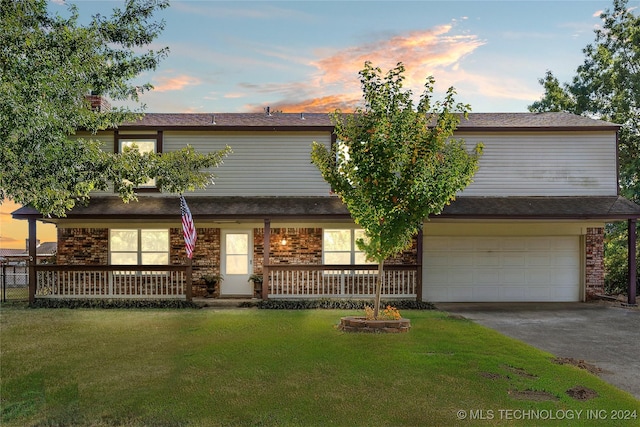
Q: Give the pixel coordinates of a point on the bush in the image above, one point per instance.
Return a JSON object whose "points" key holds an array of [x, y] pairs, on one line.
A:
{"points": [[616, 279], [112, 303], [338, 304]]}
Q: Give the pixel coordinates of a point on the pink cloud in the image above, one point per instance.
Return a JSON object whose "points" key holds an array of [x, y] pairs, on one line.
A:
{"points": [[424, 53], [166, 84]]}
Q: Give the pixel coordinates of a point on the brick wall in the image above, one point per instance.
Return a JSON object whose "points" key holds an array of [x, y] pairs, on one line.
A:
{"points": [[206, 256], [88, 246], [594, 265], [304, 246]]}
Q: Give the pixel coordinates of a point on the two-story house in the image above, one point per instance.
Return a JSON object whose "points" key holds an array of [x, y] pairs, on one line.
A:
{"points": [[529, 228]]}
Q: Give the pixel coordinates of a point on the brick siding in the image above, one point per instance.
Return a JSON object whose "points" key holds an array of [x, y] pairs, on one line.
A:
{"points": [[206, 256], [594, 265], [86, 246], [304, 246]]}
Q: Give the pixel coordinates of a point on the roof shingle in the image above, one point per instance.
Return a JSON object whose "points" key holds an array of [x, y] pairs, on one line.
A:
{"points": [[476, 121]]}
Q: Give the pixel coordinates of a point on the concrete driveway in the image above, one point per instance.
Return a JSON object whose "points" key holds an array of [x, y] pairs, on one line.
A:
{"points": [[604, 334]]}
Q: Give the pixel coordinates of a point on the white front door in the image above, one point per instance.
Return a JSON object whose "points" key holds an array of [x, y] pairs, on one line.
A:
{"points": [[237, 262]]}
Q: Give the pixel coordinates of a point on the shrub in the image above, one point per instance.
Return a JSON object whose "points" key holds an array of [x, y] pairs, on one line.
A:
{"points": [[111, 303], [338, 304]]}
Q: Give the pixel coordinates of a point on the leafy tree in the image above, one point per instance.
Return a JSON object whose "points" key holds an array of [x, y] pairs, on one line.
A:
{"points": [[48, 64], [607, 86], [395, 162]]}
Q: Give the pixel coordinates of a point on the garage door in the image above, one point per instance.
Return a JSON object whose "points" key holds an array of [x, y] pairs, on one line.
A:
{"points": [[484, 269]]}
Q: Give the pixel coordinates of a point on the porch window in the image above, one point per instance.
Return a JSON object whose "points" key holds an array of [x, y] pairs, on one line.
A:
{"points": [[340, 247], [138, 247]]}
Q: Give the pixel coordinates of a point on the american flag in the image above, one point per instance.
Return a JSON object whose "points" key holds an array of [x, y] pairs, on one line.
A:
{"points": [[188, 228]]}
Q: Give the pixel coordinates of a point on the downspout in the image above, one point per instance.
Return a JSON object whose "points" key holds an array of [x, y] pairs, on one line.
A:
{"points": [[632, 263]]}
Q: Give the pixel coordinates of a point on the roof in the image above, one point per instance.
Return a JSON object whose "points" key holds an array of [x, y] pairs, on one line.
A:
{"points": [[257, 121], [44, 249], [309, 208], [605, 207]]}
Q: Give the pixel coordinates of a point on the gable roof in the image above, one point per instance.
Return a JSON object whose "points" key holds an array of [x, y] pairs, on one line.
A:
{"points": [[322, 121]]}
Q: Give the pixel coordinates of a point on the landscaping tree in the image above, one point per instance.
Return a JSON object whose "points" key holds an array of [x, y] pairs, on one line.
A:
{"points": [[395, 162], [607, 86], [48, 65]]}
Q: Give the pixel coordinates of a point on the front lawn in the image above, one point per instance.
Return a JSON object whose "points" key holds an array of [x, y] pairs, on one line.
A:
{"points": [[287, 368]]}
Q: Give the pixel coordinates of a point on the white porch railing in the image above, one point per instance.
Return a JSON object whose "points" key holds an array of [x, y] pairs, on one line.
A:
{"points": [[114, 281], [340, 281]]}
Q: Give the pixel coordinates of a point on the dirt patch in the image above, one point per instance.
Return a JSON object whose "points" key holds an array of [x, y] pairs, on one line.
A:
{"points": [[534, 395], [519, 372], [578, 363], [582, 393], [493, 376], [456, 317]]}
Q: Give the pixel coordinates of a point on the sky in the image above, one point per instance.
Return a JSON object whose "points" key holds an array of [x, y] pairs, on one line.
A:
{"points": [[304, 56]]}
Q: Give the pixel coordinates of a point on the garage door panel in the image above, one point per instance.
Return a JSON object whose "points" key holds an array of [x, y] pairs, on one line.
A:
{"points": [[538, 277], [517, 259], [489, 276], [460, 276], [512, 277], [535, 259], [487, 260], [510, 268]]}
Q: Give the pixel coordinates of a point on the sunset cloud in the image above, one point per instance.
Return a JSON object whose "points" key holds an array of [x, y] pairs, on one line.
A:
{"points": [[166, 84], [314, 105], [334, 82], [422, 52]]}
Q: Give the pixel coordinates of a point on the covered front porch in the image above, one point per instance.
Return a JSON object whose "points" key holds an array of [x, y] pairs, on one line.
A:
{"points": [[176, 282], [285, 243]]}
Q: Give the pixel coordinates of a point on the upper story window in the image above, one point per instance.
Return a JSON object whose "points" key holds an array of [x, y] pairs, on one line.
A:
{"points": [[339, 247], [147, 143], [138, 247]]}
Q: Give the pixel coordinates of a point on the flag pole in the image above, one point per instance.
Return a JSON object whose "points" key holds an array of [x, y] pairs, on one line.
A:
{"points": [[190, 237]]}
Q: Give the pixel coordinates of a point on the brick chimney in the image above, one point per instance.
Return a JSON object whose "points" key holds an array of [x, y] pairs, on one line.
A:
{"points": [[98, 103]]}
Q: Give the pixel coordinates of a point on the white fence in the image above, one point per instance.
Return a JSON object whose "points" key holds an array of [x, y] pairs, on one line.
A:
{"points": [[131, 282], [340, 281]]}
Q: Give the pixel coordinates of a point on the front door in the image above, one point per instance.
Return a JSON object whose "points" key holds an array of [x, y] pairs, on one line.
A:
{"points": [[237, 262]]}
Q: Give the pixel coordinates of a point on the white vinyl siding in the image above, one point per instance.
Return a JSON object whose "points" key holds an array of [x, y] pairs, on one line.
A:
{"points": [[544, 164], [262, 163]]}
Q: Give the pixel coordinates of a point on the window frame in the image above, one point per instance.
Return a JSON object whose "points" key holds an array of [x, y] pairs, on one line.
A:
{"points": [[118, 138], [139, 247], [353, 251]]}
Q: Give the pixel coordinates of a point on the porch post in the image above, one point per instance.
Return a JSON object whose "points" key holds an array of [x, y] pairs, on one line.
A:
{"points": [[189, 274], [632, 263], [32, 260], [419, 250], [265, 263]]}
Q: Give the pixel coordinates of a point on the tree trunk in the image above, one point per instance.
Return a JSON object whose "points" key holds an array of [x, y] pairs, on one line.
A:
{"points": [[376, 307]]}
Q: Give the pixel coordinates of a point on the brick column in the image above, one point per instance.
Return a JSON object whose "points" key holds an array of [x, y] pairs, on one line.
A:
{"points": [[594, 263]]}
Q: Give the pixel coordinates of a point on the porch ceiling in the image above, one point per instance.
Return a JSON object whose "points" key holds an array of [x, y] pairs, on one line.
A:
{"points": [[304, 208]]}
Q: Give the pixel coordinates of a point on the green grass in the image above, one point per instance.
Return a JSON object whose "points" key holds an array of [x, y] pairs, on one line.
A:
{"points": [[263, 367]]}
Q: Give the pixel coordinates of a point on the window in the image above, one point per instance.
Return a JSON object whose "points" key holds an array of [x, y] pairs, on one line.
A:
{"points": [[138, 247], [145, 143], [143, 146], [340, 247]]}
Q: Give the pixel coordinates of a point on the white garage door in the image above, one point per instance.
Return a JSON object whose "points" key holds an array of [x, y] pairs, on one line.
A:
{"points": [[484, 269]]}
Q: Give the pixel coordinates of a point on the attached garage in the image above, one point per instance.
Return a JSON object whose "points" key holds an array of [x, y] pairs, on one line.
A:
{"points": [[502, 268]]}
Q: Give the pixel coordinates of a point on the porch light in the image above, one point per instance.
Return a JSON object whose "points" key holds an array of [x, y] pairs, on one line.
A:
{"points": [[283, 242]]}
